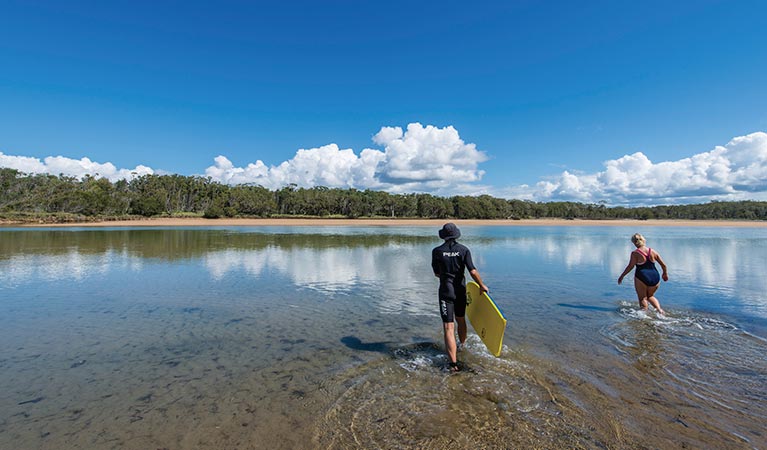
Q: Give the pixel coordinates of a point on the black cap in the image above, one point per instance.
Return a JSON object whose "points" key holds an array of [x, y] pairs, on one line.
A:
{"points": [[449, 231]]}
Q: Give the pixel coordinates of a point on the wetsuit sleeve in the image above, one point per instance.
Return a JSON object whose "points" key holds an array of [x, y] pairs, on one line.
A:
{"points": [[467, 261], [434, 262]]}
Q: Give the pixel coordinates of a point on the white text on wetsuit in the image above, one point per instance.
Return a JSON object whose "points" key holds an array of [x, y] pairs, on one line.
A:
{"points": [[450, 253]]}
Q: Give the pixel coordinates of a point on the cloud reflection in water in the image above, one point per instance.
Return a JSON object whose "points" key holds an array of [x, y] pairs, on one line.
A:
{"points": [[723, 262]]}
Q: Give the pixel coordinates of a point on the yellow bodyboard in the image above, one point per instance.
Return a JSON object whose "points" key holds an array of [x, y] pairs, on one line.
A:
{"points": [[485, 317]]}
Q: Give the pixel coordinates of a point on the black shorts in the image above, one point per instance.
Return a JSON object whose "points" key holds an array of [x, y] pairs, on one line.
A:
{"points": [[450, 309]]}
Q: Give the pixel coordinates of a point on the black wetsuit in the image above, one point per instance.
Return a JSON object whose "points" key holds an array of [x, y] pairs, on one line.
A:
{"points": [[450, 261], [646, 272]]}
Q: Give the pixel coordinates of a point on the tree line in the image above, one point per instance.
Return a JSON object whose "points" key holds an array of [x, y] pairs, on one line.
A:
{"points": [[154, 195]]}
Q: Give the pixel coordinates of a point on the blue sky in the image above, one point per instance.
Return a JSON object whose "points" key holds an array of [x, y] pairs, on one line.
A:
{"points": [[585, 101]]}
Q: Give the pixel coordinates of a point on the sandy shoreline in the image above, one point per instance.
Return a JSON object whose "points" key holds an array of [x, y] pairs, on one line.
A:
{"points": [[200, 222]]}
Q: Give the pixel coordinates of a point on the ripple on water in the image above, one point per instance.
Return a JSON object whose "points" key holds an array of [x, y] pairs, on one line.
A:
{"points": [[408, 400], [705, 360]]}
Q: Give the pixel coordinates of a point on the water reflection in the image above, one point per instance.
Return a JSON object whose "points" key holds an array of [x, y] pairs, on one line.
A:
{"points": [[176, 244], [387, 270], [722, 262], [309, 259], [72, 265], [330, 269]]}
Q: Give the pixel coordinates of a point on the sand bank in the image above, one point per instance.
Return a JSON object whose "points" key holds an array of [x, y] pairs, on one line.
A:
{"points": [[200, 222]]}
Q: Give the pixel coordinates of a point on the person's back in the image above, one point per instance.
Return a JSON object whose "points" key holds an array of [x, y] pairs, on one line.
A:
{"points": [[449, 261], [646, 271]]}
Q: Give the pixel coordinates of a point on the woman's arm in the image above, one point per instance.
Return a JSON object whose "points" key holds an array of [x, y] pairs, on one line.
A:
{"points": [[629, 266], [657, 257]]}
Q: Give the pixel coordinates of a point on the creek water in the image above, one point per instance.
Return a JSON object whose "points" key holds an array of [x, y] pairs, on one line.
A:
{"points": [[329, 337]]}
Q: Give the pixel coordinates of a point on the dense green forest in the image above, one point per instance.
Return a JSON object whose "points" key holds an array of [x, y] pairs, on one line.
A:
{"points": [[60, 197]]}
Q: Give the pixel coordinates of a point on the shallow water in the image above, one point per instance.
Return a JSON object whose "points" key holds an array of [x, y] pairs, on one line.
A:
{"points": [[291, 337]]}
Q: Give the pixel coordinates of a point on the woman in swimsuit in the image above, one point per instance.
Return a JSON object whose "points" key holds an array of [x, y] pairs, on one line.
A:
{"points": [[646, 277]]}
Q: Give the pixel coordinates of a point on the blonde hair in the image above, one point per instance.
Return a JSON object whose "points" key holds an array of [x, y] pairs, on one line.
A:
{"points": [[638, 239]]}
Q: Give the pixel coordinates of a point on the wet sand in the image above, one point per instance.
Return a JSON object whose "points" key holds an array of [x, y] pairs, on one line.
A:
{"points": [[200, 222]]}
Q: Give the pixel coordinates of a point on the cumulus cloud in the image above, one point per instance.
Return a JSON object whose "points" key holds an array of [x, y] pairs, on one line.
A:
{"points": [[436, 160], [428, 154], [323, 166], [421, 158], [77, 168], [735, 171]]}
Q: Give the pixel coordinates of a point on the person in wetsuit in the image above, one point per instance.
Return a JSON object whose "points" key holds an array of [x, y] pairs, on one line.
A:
{"points": [[449, 262], [646, 276]]}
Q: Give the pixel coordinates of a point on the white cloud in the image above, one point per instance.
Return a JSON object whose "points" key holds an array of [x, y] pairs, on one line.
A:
{"points": [[436, 160], [78, 168], [323, 166], [428, 154], [22, 163], [736, 171], [419, 159]]}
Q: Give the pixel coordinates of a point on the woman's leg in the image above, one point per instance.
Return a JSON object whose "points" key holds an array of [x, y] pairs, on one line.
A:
{"points": [[641, 289], [651, 298]]}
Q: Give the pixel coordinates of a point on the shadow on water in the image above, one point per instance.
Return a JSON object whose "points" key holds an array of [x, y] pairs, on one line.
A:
{"points": [[425, 348], [411, 357], [587, 307], [355, 343]]}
